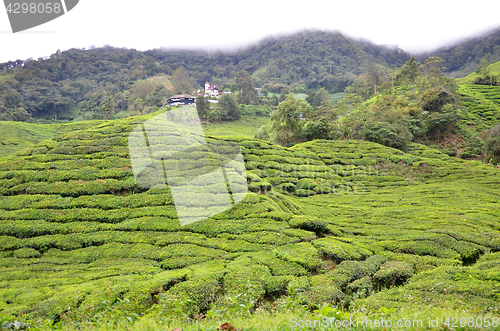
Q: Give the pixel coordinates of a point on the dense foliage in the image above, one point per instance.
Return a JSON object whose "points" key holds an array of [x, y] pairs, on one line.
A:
{"points": [[463, 58], [102, 82], [493, 146]]}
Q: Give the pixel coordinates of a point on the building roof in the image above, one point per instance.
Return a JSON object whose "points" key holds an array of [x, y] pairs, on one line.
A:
{"points": [[185, 96]]}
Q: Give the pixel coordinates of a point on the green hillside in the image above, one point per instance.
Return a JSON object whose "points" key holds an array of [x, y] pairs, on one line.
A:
{"points": [[481, 101], [462, 58], [15, 136], [483, 105], [346, 223], [98, 83], [494, 69]]}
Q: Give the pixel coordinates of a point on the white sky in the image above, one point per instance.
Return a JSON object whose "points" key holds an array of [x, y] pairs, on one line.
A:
{"points": [[415, 26]]}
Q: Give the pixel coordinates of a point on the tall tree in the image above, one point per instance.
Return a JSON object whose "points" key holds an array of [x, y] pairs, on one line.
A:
{"points": [[373, 74], [315, 99], [288, 119], [433, 68], [228, 108], [181, 81], [247, 94], [483, 69], [202, 107]]}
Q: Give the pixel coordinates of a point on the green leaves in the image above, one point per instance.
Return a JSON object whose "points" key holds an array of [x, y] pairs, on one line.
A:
{"points": [[289, 119]]}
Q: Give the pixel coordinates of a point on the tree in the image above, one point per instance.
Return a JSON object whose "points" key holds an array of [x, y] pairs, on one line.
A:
{"points": [[315, 99], [11, 98], [373, 79], [181, 81], [202, 107], [228, 108], [244, 84], [109, 107], [139, 104], [409, 72], [394, 135], [262, 133], [158, 96], [320, 123], [289, 118], [434, 99], [433, 69], [442, 122], [331, 64], [483, 69], [492, 146]]}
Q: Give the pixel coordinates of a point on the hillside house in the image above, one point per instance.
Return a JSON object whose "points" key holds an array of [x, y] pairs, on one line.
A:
{"points": [[181, 99], [212, 90]]}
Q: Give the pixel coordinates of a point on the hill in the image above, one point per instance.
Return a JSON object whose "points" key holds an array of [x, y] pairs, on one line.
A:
{"points": [[101, 82], [482, 101], [348, 223], [110, 83], [463, 58], [15, 136]]}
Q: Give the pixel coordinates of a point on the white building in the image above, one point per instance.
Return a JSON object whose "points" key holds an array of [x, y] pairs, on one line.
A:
{"points": [[212, 90]]}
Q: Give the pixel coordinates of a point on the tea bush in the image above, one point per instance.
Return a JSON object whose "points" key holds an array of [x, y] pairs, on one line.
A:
{"points": [[393, 273]]}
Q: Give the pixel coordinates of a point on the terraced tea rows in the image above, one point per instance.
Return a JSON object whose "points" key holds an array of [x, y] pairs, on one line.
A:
{"points": [[15, 136], [336, 220], [483, 105]]}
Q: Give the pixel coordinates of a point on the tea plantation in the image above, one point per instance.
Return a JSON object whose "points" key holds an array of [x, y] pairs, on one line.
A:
{"points": [[482, 103], [350, 224]]}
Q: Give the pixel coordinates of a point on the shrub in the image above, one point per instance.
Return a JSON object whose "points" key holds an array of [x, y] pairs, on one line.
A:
{"points": [[393, 273], [362, 287], [323, 290], [492, 146], [246, 276], [348, 271], [286, 188], [302, 253], [304, 193], [309, 223], [279, 267], [26, 253], [191, 297], [259, 187], [338, 251], [307, 184]]}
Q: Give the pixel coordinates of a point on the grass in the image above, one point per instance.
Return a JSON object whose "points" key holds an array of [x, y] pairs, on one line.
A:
{"points": [[301, 96], [243, 128], [15, 136], [362, 228]]}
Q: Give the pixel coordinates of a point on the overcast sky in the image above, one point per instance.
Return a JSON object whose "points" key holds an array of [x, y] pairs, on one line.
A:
{"points": [[414, 26]]}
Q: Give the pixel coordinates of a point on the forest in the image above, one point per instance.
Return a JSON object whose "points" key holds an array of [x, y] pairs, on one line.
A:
{"points": [[101, 82], [108, 82]]}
